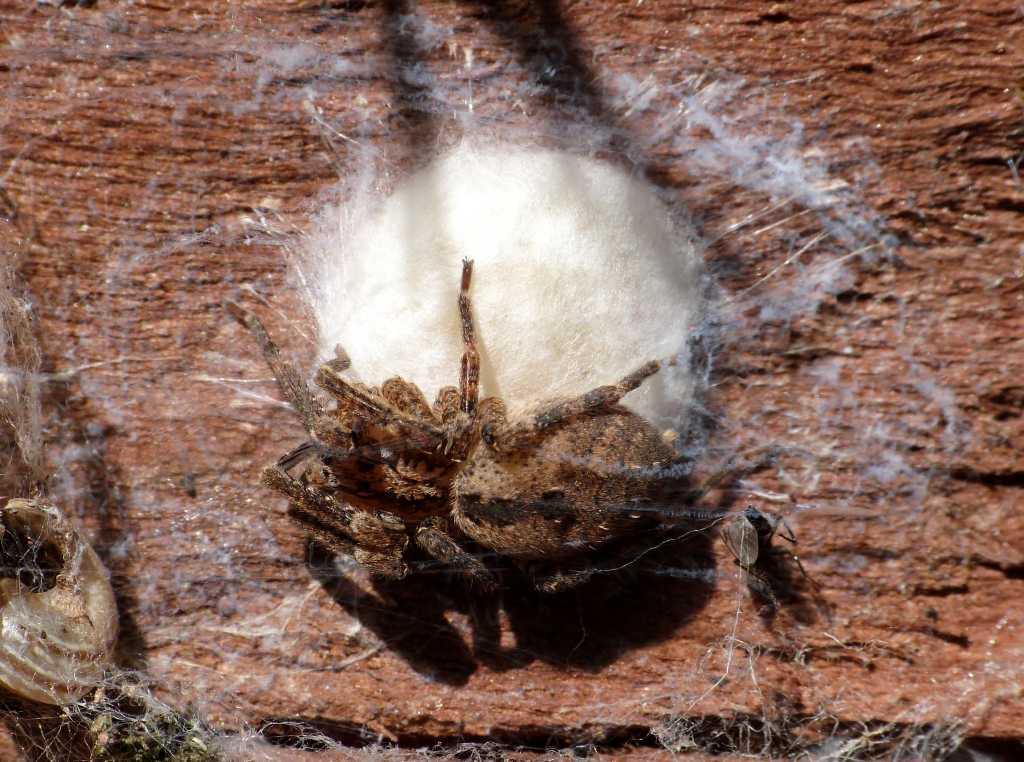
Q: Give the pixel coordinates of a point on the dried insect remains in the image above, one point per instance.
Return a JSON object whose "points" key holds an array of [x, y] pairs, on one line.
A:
{"points": [[749, 538], [385, 467], [56, 604]]}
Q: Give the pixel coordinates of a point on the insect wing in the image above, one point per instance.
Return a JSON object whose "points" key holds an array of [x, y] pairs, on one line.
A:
{"points": [[741, 538]]}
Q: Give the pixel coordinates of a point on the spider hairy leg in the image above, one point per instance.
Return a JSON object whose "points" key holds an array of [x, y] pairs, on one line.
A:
{"points": [[341, 361], [603, 397], [407, 397], [329, 378], [294, 389], [458, 410], [323, 532], [596, 399], [432, 537], [469, 381], [279, 480], [446, 406], [561, 581], [332, 433], [375, 540], [492, 417]]}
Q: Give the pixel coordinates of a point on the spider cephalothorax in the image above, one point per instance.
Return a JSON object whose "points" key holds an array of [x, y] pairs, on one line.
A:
{"points": [[385, 466]]}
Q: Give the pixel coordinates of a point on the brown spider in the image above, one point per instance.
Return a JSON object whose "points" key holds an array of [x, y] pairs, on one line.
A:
{"points": [[384, 466]]}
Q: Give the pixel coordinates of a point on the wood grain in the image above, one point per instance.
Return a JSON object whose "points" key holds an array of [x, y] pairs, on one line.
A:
{"points": [[139, 138]]}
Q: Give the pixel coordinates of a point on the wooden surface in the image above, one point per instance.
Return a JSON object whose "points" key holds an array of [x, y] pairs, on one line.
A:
{"points": [[141, 140]]}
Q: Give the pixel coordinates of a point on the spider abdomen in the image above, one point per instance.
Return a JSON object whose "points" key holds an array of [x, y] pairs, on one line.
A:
{"points": [[573, 488]]}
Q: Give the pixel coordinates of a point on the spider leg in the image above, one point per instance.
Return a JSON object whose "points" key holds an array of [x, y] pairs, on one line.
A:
{"points": [[469, 380], [432, 537], [319, 502], [446, 406], [381, 540], [492, 418], [322, 532], [329, 431], [377, 541], [294, 389], [407, 397], [698, 494], [457, 409], [516, 434], [341, 361], [422, 432], [560, 581], [329, 377]]}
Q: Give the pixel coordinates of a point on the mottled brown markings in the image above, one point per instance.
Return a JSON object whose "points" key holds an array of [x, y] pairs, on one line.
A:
{"points": [[384, 468]]}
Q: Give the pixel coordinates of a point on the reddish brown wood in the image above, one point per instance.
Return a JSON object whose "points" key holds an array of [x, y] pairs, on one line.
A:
{"points": [[137, 139]]}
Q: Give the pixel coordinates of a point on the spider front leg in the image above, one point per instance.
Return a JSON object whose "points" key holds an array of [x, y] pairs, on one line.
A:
{"points": [[376, 540], [291, 384], [510, 436], [457, 408], [420, 432], [469, 379]]}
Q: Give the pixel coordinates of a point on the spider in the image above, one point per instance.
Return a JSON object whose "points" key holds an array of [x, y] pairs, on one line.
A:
{"points": [[749, 538], [385, 468]]}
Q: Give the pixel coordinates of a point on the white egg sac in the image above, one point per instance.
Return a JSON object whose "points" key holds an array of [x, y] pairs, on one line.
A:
{"points": [[581, 274]]}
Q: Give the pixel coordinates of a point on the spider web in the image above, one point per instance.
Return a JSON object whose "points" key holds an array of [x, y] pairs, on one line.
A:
{"points": [[784, 235]]}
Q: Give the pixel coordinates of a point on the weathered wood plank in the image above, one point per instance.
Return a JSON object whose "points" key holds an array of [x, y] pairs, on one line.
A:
{"points": [[138, 138]]}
